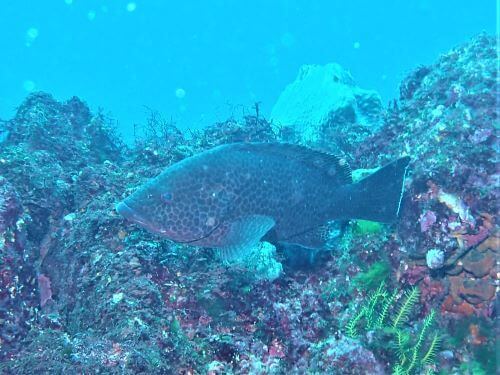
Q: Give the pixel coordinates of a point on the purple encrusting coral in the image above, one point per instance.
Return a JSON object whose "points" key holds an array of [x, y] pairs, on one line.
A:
{"points": [[82, 291]]}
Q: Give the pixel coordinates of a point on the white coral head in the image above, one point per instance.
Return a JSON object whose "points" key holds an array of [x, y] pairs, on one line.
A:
{"points": [[435, 258]]}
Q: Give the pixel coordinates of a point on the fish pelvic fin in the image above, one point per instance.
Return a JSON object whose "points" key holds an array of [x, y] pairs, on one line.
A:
{"points": [[314, 238], [378, 197]]}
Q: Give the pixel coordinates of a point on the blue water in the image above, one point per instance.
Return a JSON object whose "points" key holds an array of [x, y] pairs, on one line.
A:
{"points": [[201, 61]]}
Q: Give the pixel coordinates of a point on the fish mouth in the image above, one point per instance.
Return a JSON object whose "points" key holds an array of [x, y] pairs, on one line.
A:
{"points": [[130, 214]]}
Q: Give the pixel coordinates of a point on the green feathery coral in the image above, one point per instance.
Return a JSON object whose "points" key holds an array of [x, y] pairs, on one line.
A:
{"points": [[379, 312], [398, 370], [351, 329], [367, 312], [376, 298], [401, 345], [431, 353], [414, 359], [406, 307], [386, 305]]}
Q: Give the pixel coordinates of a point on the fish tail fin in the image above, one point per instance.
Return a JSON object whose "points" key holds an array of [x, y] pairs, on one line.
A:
{"points": [[378, 196]]}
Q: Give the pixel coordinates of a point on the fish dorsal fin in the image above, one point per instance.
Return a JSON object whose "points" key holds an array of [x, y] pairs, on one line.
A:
{"points": [[333, 166]]}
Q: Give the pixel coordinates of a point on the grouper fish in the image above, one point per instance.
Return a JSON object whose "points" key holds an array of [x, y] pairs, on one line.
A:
{"points": [[234, 196]]}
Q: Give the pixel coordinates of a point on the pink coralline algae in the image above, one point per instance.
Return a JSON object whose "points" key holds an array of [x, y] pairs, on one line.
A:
{"points": [[45, 289], [427, 220], [276, 349], [471, 240], [413, 275]]}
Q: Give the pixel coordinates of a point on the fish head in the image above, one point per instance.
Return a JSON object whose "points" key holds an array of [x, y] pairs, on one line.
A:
{"points": [[184, 203]]}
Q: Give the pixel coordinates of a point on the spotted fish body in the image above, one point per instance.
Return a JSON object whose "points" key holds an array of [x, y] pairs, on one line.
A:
{"points": [[232, 196]]}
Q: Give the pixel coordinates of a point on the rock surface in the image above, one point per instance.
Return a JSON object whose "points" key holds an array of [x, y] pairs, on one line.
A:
{"points": [[344, 357]]}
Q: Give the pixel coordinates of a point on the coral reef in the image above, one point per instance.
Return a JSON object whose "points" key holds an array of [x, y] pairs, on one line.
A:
{"points": [[83, 291]]}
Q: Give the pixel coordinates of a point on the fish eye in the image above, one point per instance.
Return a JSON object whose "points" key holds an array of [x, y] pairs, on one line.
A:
{"points": [[167, 197]]}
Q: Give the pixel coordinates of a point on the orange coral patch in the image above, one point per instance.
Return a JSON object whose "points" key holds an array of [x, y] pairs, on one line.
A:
{"points": [[491, 243], [476, 337], [464, 308]]}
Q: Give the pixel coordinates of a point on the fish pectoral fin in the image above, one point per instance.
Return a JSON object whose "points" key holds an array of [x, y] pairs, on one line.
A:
{"points": [[232, 254], [243, 235]]}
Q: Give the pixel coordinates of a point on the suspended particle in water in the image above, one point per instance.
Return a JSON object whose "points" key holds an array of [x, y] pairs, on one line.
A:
{"points": [[274, 61], [216, 94], [180, 93], [287, 40], [131, 7], [31, 35], [356, 45], [29, 85], [91, 15]]}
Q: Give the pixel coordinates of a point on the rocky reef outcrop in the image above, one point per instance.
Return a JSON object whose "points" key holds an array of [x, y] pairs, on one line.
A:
{"points": [[446, 119], [325, 106]]}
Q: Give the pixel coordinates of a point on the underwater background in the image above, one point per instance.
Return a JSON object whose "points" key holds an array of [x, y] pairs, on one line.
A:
{"points": [[203, 61], [98, 97]]}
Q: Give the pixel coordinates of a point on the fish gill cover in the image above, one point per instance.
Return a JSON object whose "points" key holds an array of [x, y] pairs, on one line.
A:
{"points": [[84, 291]]}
